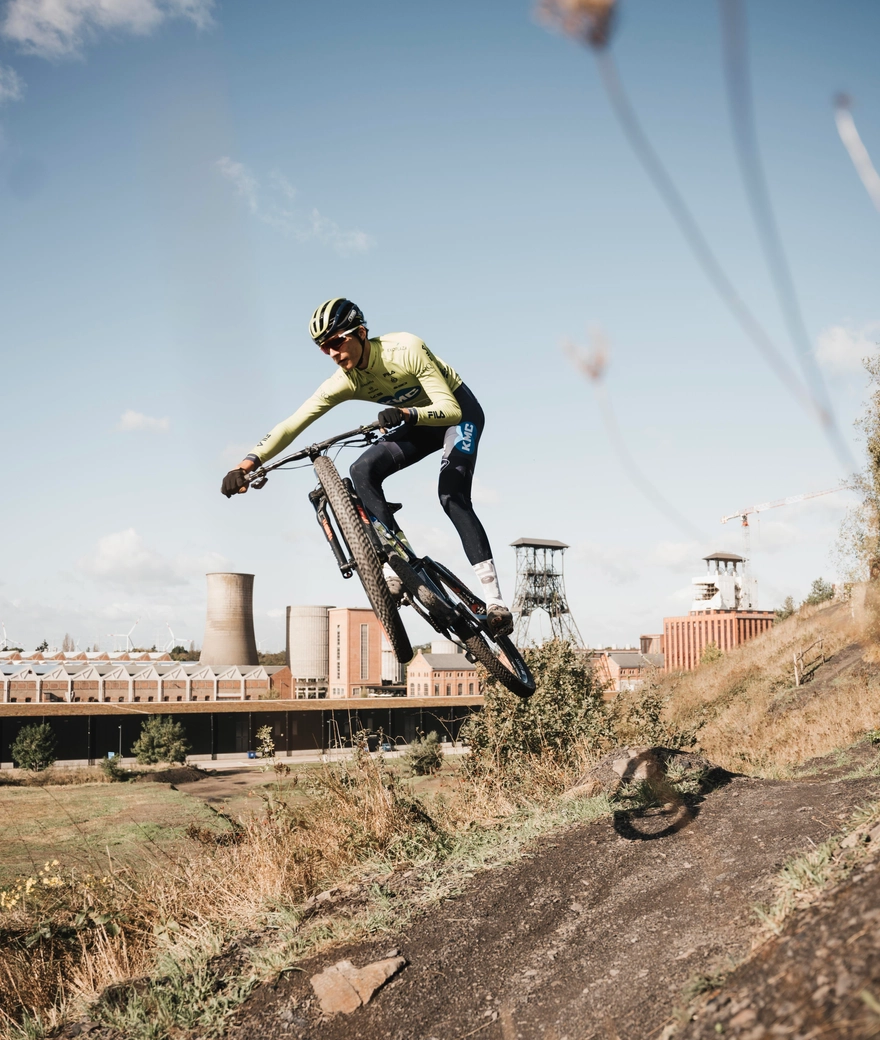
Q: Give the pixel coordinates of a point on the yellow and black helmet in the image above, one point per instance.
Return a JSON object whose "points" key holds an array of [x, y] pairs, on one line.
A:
{"points": [[335, 316]]}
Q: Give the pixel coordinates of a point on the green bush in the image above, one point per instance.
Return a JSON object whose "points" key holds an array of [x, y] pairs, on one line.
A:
{"points": [[425, 755], [111, 768], [161, 740], [711, 652], [565, 713], [787, 609], [34, 747]]}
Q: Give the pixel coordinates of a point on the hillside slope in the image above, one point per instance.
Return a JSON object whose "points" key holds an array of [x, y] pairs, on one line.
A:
{"points": [[747, 712]]}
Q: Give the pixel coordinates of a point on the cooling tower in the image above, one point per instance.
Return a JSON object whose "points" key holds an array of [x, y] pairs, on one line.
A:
{"points": [[445, 646], [308, 642], [229, 627], [392, 670]]}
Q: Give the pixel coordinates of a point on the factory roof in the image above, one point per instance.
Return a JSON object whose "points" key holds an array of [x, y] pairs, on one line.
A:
{"points": [[449, 662], [539, 543], [137, 669], [634, 659]]}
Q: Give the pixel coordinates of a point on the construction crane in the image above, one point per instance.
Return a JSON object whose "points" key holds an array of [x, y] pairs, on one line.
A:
{"points": [[744, 514]]}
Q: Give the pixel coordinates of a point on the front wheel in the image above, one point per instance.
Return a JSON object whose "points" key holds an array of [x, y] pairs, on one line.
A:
{"points": [[369, 567], [496, 654]]}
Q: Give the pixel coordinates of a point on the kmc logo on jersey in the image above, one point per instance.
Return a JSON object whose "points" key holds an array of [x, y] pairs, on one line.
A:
{"points": [[401, 396], [466, 438]]}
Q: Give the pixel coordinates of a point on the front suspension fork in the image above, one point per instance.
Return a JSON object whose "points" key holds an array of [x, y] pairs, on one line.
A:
{"points": [[319, 501]]}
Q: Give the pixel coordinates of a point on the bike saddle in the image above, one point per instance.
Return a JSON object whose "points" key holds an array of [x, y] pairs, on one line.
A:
{"points": [[394, 506]]}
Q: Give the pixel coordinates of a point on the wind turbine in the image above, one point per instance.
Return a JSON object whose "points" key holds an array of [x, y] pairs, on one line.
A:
{"points": [[7, 642], [129, 645], [173, 641]]}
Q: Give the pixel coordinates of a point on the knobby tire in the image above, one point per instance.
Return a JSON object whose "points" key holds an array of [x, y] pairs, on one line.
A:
{"points": [[368, 565], [517, 678]]}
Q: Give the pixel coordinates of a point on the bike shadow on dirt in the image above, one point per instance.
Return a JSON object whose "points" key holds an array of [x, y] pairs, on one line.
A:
{"points": [[665, 810]]}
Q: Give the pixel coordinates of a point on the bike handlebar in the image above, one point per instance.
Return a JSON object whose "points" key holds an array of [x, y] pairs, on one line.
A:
{"points": [[313, 450]]}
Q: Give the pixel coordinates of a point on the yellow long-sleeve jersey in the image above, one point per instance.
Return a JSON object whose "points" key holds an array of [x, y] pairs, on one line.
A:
{"points": [[401, 371]]}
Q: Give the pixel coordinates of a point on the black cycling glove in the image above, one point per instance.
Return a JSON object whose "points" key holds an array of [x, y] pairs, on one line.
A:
{"points": [[233, 482], [389, 417]]}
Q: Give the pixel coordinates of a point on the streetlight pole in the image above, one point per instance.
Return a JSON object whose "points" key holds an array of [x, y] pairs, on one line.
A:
{"points": [[120, 741]]}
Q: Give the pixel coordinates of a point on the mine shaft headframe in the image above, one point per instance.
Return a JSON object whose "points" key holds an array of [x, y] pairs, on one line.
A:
{"points": [[540, 585]]}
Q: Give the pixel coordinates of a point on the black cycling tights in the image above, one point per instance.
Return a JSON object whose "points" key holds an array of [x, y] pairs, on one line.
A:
{"points": [[410, 444]]}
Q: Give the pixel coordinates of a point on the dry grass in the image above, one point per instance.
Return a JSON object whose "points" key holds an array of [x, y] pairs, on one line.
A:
{"points": [[54, 776], [746, 711], [67, 935]]}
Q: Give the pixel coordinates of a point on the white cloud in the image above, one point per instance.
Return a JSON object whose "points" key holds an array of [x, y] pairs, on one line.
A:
{"points": [[132, 420], [55, 28], [241, 179], [11, 85], [272, 208], [122, 558], [676, 555], [841, 348]]}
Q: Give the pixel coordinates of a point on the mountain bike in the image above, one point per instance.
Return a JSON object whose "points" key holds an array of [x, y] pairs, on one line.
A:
{"points": [[361, 544]]}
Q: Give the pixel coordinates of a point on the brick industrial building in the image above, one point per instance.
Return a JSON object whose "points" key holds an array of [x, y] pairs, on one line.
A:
{"points": [[624, 669], [442, 672], [721, 614], [130, 679]]}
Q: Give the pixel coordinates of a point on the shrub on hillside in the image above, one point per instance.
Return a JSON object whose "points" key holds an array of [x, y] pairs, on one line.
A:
{"points": [[820, 592], [565, 714], [34, 747], [161, 740], [425, 755], [787, 609], [712, 652]]}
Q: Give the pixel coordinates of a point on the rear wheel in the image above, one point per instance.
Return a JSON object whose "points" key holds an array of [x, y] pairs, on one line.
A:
{"points": [[496, 654], [369, 567]]}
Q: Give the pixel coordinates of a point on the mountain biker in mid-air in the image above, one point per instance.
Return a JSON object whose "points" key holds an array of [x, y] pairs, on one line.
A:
{"points": [[427, 408]]}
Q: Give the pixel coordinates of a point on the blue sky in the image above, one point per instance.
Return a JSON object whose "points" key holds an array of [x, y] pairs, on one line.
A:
{"points": [[181, 182]]}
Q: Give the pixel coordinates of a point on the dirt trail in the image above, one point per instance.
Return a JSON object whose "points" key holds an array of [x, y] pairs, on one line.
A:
{"points": [[593, 935]]}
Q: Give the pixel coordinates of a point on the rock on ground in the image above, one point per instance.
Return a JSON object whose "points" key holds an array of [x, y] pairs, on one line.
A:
{"points": [[342, 987]]}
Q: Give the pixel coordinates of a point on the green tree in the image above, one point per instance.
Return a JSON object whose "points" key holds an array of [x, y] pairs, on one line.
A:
{"points": [[180, 653], [566, 709], [161, 740], [34, 747], [820, 592], [42, 648], [265, 742], [787, 609]]}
